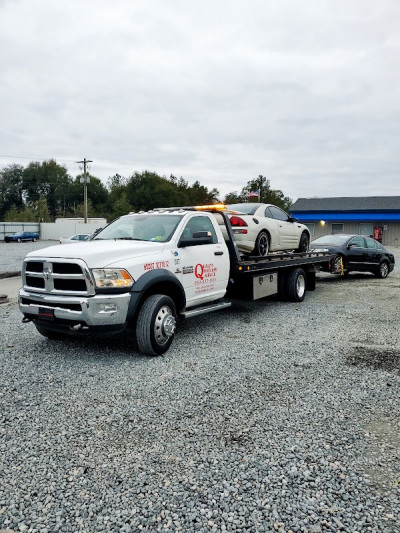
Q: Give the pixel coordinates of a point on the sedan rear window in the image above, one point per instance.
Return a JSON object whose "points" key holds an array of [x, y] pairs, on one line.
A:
{"points": [[333, 240], [249, 209]]}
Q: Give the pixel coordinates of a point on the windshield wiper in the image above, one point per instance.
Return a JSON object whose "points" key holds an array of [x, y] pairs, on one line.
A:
{"points": [[127, 239]]}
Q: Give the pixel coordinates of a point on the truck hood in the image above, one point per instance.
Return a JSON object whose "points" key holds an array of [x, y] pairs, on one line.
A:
{"points": [[100, 254]]}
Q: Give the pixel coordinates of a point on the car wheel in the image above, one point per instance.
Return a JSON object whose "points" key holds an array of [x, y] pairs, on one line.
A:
{"points": [[383, 271], [50, 334], [156, 323], [304, 243], [18, 240], [296, 285], [262, 244], [33, 240]]}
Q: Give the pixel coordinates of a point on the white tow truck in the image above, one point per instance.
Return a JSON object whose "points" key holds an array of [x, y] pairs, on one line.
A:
{"points": [[146, 269]]}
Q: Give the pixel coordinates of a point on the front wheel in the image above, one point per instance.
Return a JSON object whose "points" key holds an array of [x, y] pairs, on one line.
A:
{"points": [[296, 285], [304, 243], [262, 244], [33, 240], [156, 324], [383, 270], [18, 240]]}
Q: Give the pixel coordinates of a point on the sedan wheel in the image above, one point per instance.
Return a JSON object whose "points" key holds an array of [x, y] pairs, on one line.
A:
{"points": [[304, 243], [262, 244], [383, 271]]}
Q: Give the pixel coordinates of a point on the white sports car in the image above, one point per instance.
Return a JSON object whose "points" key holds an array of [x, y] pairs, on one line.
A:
{"points": [[263, 228]]}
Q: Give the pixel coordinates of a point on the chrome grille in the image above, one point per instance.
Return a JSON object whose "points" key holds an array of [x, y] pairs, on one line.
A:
{"points": [[58, 276]]}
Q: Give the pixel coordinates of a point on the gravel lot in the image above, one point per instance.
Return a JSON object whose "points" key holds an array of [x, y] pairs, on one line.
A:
{"points": [[267, 417], [13, 253]]}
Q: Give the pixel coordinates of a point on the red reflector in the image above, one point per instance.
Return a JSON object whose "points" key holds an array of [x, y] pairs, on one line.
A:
{"points": [[237, 221]]}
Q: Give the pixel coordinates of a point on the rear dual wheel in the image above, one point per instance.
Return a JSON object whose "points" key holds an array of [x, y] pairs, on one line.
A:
{"points": [[292, 286]]}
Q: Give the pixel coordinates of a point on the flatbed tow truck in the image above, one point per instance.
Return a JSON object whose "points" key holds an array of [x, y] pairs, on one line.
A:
{"points": [[146, 269]]}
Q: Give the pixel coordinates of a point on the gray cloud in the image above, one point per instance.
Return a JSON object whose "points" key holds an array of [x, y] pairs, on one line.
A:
{"points": [[305, 93]]}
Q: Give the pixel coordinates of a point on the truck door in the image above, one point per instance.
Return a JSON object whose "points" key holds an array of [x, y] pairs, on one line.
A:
{"points": [[205, 267]]}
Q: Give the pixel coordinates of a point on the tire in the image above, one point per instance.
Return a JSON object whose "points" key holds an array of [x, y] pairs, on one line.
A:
{"points": [[156, 323], [383, 270], [262, 244], [296, 285], [33, 240], [304, 243], [50, 334], [18, 240], [336, 266]]}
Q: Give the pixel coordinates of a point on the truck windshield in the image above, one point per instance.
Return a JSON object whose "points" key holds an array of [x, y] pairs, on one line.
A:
{"points": [[142, 227]]}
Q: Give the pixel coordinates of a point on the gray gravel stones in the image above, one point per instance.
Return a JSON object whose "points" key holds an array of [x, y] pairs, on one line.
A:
{"points": [[12, 254], [268, 417]]}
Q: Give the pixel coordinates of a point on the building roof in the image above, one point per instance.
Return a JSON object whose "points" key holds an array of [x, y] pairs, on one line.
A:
{"points": [[347, 203]]}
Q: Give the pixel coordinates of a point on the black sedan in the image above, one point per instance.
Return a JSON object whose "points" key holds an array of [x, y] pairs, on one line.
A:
{"points": [[355, 253]]}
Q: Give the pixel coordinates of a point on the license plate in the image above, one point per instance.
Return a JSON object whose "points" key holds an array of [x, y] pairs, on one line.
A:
{"points": [[46, 313]]}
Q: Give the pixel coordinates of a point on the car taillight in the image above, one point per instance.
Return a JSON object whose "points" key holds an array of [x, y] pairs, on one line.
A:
{"points": [[237, 221]]}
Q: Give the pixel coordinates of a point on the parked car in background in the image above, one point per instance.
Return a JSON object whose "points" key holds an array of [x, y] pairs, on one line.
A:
{"points": [[21, 236], [263, 228], [355, 253], [80, 237]]}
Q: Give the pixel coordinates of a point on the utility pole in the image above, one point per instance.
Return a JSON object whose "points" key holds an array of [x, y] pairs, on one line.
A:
{"points": [[85, 180]]}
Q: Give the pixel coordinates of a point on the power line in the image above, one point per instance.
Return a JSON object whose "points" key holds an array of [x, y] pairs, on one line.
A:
{"points": [[37, 158]]}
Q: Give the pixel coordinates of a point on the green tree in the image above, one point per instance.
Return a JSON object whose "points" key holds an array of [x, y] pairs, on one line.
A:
{"points": [[121, 206], [51, 180], [26, 214], [42, 211], [267, 195], [11, 188]]}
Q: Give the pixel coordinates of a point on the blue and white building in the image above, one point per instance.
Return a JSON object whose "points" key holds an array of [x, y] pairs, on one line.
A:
{"points": [[366, 215]]}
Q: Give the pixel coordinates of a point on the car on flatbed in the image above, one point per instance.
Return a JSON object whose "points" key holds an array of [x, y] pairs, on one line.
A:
{"points": [[260, 229], [144, 270]]}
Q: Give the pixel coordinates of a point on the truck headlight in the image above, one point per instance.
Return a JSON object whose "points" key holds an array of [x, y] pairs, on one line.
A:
{"points": [[113, 278]]}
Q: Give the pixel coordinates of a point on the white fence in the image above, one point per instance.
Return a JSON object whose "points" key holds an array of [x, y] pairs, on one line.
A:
{"points": [[48, 231], [53, 231]]}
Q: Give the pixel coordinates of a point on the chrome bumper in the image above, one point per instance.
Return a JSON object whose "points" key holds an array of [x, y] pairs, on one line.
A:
{"points": [[98, 310]]}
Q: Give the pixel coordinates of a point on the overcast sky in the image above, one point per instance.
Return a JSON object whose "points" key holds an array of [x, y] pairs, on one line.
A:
{"points": [[304, 92]]}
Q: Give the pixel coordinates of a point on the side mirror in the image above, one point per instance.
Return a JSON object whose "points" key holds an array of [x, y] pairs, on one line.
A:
{"points": [[352, 245], [199, 238], [293, 219]]}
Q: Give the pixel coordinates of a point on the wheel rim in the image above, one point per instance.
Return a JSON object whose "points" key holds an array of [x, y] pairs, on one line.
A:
{"points": [[304, 244], [384, 270], [164, 325], [300, 286], [263, 244]]}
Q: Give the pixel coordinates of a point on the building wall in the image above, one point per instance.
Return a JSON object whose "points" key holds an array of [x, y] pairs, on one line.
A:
{"points": [[390, 235], [53, 231]]}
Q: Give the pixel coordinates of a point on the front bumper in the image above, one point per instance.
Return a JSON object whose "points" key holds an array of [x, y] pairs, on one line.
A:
{"points": [[98, 310]]}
